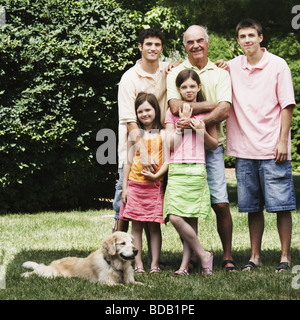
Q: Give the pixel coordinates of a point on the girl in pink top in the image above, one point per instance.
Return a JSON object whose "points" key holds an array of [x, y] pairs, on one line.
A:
{"points": [[187, 195]]}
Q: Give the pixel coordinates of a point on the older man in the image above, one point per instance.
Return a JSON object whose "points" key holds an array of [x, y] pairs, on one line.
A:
{"points": [[216, 87]]}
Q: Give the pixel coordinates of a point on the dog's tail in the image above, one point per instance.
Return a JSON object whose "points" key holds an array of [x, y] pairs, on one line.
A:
{"points": [[30, 265], [39, 269]]}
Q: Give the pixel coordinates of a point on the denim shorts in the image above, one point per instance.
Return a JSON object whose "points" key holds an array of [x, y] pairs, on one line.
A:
{"points": [[265, 183], [216, 179]]}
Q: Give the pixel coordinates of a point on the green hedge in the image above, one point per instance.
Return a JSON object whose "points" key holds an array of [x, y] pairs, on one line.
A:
{"points": [[60, 62], [288, 48]]}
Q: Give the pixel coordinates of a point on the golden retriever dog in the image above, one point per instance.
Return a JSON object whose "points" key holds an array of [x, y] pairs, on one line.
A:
{"points": [[111, 264]]}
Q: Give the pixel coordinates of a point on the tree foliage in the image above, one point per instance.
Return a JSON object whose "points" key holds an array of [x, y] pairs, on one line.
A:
{"points": [[289, 49], [60, 62], [222, 16]]}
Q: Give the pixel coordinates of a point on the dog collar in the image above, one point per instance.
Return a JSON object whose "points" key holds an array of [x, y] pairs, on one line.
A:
{"points": [[109, 263]]}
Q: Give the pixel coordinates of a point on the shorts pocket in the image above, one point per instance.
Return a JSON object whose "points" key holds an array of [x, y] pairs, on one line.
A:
{"points": [[279, 187]]}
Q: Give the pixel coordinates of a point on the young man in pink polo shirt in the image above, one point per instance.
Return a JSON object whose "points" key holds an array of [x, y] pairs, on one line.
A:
{"points": [[258, 135]]}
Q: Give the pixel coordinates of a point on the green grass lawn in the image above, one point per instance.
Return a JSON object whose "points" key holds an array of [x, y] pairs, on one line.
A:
{"points": [[46, 236]]}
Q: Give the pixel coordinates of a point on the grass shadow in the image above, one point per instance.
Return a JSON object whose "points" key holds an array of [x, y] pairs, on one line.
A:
{"points": [[170, 260], [14, 269], [232, 192], [159, 286]]}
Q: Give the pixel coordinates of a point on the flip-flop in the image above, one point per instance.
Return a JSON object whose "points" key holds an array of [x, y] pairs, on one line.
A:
{"points": [[207, 268], [282, 266], [181, 272], [139, 270], [251, 265], [155, 270], [229, 269]]}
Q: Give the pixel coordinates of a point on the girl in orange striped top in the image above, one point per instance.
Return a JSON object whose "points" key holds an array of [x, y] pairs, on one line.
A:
{"points": [[142, 194]]}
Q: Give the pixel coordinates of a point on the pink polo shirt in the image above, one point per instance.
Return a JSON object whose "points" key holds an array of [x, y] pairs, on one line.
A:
{"points": [[259, 93], [191, 147]]}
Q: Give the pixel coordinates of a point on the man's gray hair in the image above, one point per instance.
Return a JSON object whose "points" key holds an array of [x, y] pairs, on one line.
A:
{"points": [[204, 28]]}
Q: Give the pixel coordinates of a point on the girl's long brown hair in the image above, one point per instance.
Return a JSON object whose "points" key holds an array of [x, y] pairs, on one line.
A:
{"points": [[140, 99], [187, 74]]}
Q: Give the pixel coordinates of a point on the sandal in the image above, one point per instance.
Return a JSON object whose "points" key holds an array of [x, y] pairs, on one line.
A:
{"points": [[181, 272], [249, 266], [139, 270], [155, 270], [282, 266], [207, 268], [229, 269]]}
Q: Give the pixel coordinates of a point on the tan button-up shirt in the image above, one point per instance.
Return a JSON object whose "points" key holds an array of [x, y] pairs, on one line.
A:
{"points": [[133, 81]]}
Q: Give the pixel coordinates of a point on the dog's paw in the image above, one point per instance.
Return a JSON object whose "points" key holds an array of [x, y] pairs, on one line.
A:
{"points": [[111, 283], [25, 274], [138, 283]]}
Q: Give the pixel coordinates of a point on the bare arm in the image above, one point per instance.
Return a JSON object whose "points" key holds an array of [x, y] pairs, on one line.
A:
{"points": [[281, 150], [155, 176], [126, 169], [166, 159], [135, 136], [211, 138], [217, 115], [222, 64], [210, 135], [198, 107], [173, 65], [175, 134], [220, 113]]}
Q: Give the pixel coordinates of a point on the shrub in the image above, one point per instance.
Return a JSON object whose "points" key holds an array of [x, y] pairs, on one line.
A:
{"points": [[60, 62], [288, 48]]}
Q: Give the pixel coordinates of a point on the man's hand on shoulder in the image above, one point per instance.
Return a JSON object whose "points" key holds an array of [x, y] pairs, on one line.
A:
{"points": [[222, 64], [173, 65]]}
